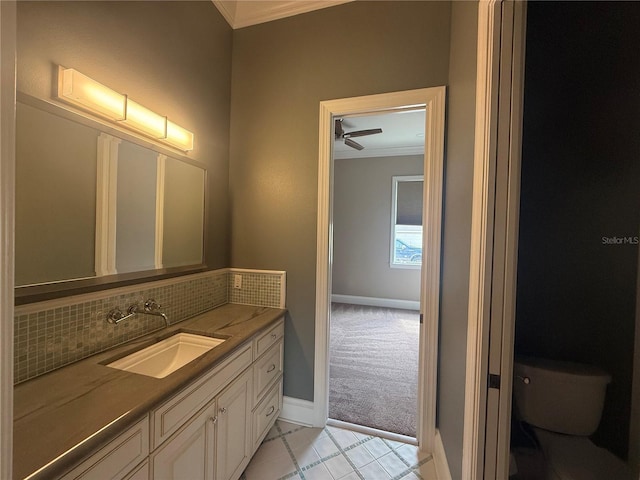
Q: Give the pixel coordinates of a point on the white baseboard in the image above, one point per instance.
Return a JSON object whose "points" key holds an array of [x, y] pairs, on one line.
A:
{"points": [[376, 302], [300, 412], [440, 459]]}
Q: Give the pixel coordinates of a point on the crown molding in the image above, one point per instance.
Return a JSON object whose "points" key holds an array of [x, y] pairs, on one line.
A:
{"points": [[379, 152], [241, 14]]}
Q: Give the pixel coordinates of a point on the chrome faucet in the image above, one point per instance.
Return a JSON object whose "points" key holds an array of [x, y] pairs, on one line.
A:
{"points": [[151, 307]]}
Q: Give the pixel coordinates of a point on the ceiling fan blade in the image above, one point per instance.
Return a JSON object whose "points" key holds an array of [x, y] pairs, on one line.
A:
{"points": [[363, 133], [352, 144], [339, 130]]}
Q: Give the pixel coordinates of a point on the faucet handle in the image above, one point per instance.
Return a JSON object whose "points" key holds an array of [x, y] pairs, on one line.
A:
{"points": [[151, 306]]}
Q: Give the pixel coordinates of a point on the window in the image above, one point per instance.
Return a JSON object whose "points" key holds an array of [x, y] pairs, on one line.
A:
{"points": [[406, 221]]}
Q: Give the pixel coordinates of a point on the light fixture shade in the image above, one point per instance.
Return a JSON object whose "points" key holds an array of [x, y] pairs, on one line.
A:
{"points": [[179, 137], [144, 120], [76, 88]]}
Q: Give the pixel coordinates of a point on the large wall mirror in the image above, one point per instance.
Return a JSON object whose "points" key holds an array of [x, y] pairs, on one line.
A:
{"points": [[91, 202]]}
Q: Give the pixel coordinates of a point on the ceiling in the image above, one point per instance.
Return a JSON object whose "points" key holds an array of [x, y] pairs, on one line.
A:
{"points": [[243, 13], [402, 134]]}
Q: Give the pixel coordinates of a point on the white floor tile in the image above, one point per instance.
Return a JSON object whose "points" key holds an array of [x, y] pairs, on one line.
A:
{"points": [[427, 470], [273, 433], [360, 456], [272, 450], [319, 472], [412, 454], [338, 466], [306, 456], [374, 471], [344, 438], [373, 459], [410, 476], [393, 444], [269, 470], [325, 447], [302, 439], [392, 464], [377, 447], [351, 476]]}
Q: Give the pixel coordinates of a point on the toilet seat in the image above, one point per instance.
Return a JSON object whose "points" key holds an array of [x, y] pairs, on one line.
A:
{"points": [[572, 457]]}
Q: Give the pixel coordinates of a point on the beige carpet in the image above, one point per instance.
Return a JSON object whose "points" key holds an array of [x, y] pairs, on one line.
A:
{"points": [[373, 376]]}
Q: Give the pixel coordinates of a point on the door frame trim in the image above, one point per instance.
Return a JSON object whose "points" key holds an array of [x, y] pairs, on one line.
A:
{"points": [[494, 237], [433, 100], [7, 202]]}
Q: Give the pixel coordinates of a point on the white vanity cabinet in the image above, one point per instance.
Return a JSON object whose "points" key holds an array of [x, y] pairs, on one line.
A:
{"points": [[118, 458], [190, 453], [207, 431], [234, 446], [211, 429]]}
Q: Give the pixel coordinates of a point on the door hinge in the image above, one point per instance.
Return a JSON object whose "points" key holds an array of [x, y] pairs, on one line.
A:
{"points": [[421, 318], [494, 381]]}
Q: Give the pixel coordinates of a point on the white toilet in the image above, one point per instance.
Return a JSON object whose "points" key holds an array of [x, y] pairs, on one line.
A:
{"points": [[563, 403]]}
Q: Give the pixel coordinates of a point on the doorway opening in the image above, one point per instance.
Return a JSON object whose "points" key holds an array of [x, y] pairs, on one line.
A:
{"points": [[432, 100], [377, 217]]}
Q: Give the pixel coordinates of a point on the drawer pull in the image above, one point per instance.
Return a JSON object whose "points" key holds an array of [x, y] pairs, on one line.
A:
{"points": [[271, 368], [271, 410], [223, 410], [274, 336]]}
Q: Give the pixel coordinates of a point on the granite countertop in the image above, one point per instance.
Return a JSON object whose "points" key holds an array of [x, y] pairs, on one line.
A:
{"points": [[62, 416]]}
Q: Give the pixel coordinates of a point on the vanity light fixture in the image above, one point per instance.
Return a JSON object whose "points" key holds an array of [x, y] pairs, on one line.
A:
{"points": [[144, 120], [79, 90]]}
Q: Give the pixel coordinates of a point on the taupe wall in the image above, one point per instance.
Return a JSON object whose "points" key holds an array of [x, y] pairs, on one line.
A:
{"points": [[362, 228], [457, 230], [172, 57], [281, 71]]}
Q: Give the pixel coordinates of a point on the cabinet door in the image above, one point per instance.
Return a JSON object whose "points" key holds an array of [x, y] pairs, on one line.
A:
{"points": [[234, 429], [190, 454]]}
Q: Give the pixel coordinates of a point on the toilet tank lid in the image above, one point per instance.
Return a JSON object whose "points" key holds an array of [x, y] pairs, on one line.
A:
{"points": [[572, 369]]}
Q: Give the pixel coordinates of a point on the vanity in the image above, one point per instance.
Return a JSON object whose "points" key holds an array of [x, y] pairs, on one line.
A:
{"points": [[205, 420]]}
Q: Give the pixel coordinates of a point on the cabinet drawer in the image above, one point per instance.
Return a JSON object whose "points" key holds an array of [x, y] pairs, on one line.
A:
{"points": [[118, 458], [266, 370], [174, 413], [266, 413], [271, 336]]}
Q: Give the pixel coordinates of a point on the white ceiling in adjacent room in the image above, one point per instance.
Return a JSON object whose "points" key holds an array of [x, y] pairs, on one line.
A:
{"points": [[402, 134]]}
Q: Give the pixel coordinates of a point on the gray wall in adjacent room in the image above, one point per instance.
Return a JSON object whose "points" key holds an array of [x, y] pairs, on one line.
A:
{"points": [[457, 231], [362, 226], [281, 72]]}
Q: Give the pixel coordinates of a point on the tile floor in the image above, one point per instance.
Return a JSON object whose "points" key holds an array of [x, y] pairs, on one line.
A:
{"points": [[300, 453]]}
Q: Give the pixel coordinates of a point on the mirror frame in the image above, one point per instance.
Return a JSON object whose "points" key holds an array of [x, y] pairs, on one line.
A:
{"points": [[64, 288]]}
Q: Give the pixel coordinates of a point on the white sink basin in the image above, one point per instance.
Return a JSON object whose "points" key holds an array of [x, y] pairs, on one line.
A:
{"points": [[166, 356]]}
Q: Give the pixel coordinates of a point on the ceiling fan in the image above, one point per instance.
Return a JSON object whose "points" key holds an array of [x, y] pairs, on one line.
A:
{"points": [[346, 136]]}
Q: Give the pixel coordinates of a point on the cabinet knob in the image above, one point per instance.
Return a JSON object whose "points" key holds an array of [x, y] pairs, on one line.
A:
{"points": [[271, 410], [213, 420], [271, 368], [223, 410], [274, 336]]}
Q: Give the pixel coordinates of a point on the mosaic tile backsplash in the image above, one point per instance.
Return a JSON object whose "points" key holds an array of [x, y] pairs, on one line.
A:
{"points": [[52, 334]]}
